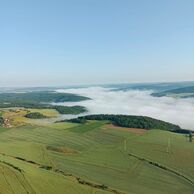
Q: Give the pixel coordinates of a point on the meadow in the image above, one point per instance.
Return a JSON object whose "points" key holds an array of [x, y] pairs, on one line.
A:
{"points": [[91, 158]]}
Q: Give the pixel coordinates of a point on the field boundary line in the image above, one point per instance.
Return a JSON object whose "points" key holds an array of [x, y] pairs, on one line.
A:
{"points": [[157, 165], [78, 179]]}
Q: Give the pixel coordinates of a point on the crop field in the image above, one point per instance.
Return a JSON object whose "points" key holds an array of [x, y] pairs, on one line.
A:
{"points": [[92, 158]]}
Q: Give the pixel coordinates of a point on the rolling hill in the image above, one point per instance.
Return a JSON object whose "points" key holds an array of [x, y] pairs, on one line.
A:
{"points": [[185, 92], [94, 157], [131, 121], [42, 100]]}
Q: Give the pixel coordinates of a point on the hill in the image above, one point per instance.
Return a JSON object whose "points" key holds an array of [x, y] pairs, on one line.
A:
{"points": [[94, 157], [42, 100], [156, 87], [141, 122], [39, 97], [185, 92]]}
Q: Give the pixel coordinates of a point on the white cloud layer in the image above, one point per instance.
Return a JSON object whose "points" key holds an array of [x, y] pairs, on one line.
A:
{"points": [[134, 102]]}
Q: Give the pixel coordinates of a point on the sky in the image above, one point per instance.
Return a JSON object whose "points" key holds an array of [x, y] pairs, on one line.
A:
{"points": [[60, 42]]}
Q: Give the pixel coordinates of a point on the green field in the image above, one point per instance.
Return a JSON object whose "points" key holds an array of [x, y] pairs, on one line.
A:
{"points": [[93, 158]]}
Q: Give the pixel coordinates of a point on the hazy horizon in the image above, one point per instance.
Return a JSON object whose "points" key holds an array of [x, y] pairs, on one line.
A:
{"points": [[66, 85]]}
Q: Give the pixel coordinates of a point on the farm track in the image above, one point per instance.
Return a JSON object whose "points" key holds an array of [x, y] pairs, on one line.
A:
{"points": [[157, 165], [47, 158], [6, 180], [134, 171], [22, 181], [58, 171]]}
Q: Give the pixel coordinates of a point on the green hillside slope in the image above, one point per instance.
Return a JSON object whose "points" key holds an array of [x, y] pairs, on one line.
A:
{"points": [[94, 157]]}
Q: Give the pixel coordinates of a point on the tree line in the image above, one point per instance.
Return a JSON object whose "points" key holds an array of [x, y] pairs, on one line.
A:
{"points": [[141, 122]]}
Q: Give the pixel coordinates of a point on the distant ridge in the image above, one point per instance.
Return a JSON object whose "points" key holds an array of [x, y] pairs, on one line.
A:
{"points": [[186, 91]]}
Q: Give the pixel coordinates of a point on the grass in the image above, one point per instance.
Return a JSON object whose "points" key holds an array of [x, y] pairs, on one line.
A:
{"points": [[91, 125], [36, 180], [95, 153]]}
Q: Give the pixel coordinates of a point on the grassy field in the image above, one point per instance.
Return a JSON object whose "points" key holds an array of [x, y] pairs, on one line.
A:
{"points": [[93, 158]]}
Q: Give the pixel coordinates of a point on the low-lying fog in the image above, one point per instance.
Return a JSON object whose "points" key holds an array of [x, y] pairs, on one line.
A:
{"points": [[136, 102]]}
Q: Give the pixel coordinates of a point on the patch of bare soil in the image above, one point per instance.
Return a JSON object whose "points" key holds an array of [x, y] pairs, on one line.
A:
{"points": [[134, 130], [63, 150]]}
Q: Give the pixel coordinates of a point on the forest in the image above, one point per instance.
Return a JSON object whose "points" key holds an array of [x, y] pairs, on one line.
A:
{"points": [[141, 122]]}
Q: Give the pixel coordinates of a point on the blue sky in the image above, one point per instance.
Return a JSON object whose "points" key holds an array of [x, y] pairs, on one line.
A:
{"points": [[60, 42]]}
